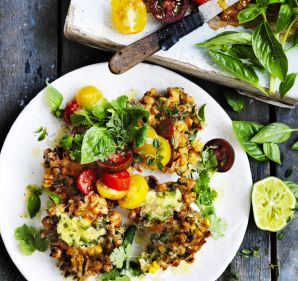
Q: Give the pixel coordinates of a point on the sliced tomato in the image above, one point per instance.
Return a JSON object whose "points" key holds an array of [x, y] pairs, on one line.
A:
{"points": [[70, 108], [165, 128], [117, 162], [168, 10], [117, 181], [85, 181], [199, 1], [223, 152]]}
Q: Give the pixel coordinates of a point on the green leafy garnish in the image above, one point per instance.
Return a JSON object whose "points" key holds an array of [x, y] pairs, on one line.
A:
{"points": [[42, 133], [272, 152], [235, 100], [295, 146], [294, 188], [119, 256], [280, 236], [201, 112], [54, 197], [97, 144], [30, 240], [287, 85], [246, 253], [33, 201], [53, 98], [218, 226]]}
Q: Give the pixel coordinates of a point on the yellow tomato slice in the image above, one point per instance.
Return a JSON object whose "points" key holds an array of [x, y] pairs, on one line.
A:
{"points": [[147, 148], [88, 95], [137, 192], [129, 16], [109, 193], [165, 150]]}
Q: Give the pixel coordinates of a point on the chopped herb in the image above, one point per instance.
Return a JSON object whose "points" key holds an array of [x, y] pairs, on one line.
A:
{"points": [[119, 256], [246, 253], [30, 240], [33, 201], [201, 113], [281, 236], [42, 133], [53, 98], [273, 266], [54, 197]]}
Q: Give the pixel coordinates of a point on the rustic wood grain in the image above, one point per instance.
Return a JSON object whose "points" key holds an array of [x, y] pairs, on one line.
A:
{"points": [[28, 49], [287, 248]]}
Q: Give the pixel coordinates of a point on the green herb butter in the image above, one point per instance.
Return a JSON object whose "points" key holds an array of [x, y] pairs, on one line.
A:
{"points": [[77, 231], [161, 205]]}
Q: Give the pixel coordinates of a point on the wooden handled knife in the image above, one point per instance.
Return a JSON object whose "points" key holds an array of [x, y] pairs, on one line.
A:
{"points": [[166, 37]]}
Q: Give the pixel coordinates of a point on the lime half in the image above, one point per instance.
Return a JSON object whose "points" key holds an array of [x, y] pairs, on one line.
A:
{"points": [[273, 204]]}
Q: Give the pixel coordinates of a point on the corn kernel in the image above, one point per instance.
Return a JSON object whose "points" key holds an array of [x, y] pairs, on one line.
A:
{"points": [[193, 227], [153, 267]]}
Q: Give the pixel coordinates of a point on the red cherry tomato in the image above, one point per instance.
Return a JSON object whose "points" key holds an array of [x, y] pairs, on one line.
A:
{"points": [[223, 152], [199, 1], [168, 10], [85, 181], [166, 128], [117, 162], [70, 108], [117, 181]]}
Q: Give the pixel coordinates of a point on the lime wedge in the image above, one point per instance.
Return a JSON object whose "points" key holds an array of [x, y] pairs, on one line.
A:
{"points": [[273, 204]]}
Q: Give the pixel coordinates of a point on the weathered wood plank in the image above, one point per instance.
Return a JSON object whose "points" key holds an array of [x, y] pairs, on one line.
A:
{"points": [[28, 46], [287, 248]]}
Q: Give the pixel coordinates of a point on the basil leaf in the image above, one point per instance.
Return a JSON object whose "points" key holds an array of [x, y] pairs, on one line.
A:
{"points": [[275, 132], [269, 51], [287, 85], [244, 131], [235, 67], [235, 100], [140, 135], [294, 188], [33, 204], [55, 197], [97, 144], [295, 146], [272, 152], [201, 112], [227, 38], [284, 17], [250, 13], [53, 97], [129, 236]]}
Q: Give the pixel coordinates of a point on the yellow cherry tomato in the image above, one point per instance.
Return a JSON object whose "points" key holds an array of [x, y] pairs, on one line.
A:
{"points": [[110, 193], [88, 95], [137, 192], [129, 16], [165, 150], [147, 148]]}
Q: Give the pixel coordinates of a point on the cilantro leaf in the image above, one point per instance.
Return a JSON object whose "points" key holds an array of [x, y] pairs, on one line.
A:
{"points": [[30, 240], [120, 102], [205, 195], [53, 98], [107, 276], [118, 256], [97, 145]]}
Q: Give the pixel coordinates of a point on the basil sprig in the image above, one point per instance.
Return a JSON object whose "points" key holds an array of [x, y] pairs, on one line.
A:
{"points": [[239, 52], [235, 100], [261, 142]]}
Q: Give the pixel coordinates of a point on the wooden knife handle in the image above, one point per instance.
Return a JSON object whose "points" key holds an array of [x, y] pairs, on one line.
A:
{"points": [[134, 53]]}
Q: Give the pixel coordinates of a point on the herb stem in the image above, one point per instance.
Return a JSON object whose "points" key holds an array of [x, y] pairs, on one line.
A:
{"points": [[261, 89], [288, 30], [272, 85]]}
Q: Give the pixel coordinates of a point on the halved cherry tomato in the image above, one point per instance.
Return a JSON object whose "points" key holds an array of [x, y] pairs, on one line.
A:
{"points": [[118, 181], [85, 181], [168, 10], [199, 1], [70, 108], [165, 128], [108, 192], [88, 95], [129, 16], [136, 194], [223, 152], [117, 162]]}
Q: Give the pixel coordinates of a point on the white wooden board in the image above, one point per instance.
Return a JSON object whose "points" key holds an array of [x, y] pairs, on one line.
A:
{"points": [[89, 22]]}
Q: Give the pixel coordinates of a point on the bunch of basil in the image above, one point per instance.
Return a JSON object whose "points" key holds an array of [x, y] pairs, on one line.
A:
{"points": [[240, 53], [261, 142]]}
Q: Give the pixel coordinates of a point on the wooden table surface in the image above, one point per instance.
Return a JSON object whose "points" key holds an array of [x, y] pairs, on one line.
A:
{"points": [[33, 47]]}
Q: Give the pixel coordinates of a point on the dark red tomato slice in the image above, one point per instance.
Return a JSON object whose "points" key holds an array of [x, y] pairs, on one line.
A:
{"points": [[223, 152], [117, 162], [168, 10], [199, 1], [85, 181], [117, 181], [166, 128], [70, 108]]}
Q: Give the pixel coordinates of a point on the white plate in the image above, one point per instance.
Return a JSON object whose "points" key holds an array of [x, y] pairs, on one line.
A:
{"points": [[21, 158]]}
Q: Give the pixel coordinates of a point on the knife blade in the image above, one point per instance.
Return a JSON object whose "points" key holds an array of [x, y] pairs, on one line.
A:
{"points": [[166, 37]]}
